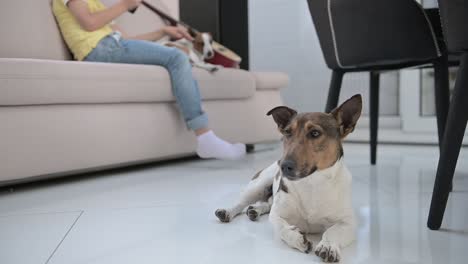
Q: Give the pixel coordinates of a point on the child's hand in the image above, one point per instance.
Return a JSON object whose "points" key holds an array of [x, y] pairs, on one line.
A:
{"points": [[177, 32], [131, 4]]}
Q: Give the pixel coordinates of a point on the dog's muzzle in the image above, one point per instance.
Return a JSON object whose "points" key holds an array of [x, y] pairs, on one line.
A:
{"points": [[289, 170], [288, 167]]}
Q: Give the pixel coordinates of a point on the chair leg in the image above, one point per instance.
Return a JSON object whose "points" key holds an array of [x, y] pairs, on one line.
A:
{"points": [[453, 138], [334, 91], [442, 96], [374, 113]]}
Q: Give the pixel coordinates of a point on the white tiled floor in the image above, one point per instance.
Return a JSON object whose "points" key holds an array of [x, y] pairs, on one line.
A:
{"points": [[165, 214]]}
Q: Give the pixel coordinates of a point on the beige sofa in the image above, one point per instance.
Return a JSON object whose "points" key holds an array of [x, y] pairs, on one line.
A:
{"points": [[60, 117]]}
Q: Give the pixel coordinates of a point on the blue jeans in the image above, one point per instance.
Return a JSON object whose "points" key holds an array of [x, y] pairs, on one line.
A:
{"points": [[184, 87]]}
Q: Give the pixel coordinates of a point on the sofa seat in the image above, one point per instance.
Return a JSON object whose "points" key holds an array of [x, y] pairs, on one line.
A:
{"points": [[45, 82]]}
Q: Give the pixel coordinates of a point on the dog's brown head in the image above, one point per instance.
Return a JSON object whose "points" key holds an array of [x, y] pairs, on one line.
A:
{"points": [[312, 141], [202, 42]]}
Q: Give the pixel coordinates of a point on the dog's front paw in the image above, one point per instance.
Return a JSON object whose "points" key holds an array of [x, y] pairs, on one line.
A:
{"points": [[298, 239], [306, 244], [223, 215], [328, 251]]}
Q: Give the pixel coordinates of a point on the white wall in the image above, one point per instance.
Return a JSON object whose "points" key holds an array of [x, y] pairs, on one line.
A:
{"points": [[282, 38]]}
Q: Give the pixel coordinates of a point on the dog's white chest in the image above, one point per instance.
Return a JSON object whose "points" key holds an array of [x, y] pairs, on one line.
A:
{"points": [[319, 200]]}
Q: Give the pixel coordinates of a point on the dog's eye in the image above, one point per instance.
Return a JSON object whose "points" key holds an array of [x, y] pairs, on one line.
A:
{"points": [[314, 134], [287, 132]]}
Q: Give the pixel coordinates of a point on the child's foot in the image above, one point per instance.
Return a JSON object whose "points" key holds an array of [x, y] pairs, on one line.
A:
{"points": [[211, 146]]}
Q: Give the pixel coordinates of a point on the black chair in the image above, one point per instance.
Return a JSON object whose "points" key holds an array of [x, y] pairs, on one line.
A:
{"points": [[380, 35], [454, 16]]}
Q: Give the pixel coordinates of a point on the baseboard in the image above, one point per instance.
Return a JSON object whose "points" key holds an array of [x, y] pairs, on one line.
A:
{"points": [[397, 136]]}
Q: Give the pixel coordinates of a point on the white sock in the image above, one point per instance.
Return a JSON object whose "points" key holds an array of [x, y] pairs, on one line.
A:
{"points": [[211, 146]]}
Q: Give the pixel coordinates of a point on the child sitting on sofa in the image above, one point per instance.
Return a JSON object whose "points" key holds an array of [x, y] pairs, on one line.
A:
{"points": [[88, 29]]}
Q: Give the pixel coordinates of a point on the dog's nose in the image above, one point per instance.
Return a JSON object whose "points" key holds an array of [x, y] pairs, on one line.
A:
{"points": [[210, 54], [288, 167]]}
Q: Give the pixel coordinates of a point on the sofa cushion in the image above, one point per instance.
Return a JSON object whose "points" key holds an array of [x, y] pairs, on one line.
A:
{"points": [[29, 30], [270, 80], [35, 82]]}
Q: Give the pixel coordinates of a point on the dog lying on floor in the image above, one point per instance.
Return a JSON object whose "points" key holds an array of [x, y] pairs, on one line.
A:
{"points": [[200, 49], [309, 189]]}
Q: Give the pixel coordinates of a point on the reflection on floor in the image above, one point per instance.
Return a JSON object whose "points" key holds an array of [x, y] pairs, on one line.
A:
{"points": [[164, 214]]}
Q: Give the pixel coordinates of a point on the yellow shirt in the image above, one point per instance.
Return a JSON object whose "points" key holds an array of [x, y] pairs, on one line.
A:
{"points": [[79, 41]]}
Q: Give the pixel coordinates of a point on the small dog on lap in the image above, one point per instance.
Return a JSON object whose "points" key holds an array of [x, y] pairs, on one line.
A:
{"points": [[309, 189], [198, 51]]}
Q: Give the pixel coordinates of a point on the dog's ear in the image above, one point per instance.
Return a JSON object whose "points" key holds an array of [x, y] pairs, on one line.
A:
{"points": [[282, 115], [347, 114], [198, 37]]}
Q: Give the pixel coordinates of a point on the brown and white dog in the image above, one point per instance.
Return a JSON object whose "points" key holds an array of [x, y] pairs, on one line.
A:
{"points": [[309, 189], [200, 49]]}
